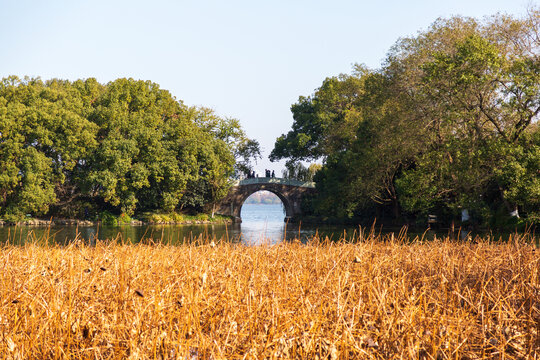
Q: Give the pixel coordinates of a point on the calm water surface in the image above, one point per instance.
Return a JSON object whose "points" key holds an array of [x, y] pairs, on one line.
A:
{"points": [[260, 224]]}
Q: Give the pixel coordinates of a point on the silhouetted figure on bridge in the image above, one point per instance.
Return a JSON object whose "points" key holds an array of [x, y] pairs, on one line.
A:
{"points": [[273, 174]]}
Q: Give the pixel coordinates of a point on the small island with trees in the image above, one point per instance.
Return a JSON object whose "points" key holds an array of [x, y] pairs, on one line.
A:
{"points": [[89, 151]]}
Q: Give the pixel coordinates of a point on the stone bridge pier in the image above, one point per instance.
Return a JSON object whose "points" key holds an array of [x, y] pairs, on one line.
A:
{"points": [[290, 192]]}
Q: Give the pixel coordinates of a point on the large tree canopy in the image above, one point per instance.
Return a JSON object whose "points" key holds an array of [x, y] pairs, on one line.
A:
{"points": [[128, 145], [449, 122]]}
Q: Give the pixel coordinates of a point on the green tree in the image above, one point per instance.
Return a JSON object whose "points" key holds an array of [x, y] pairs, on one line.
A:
{"points": [[222, 151], [131, 156], [244, 149], [323, 123], [486, 100], [447, 123], [297, 171], [124, 146], [44, 136]]}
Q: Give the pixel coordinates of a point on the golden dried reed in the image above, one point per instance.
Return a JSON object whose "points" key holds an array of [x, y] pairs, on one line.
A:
{"points": [[376, 298]]}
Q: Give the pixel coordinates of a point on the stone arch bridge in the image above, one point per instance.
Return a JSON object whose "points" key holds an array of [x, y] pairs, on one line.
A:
{"points": [[290, 192]]}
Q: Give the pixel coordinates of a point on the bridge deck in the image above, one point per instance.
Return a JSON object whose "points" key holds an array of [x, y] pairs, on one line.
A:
{"points": [[267, 180]]}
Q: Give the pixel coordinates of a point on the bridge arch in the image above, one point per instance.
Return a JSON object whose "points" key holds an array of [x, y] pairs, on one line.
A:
{"points": [[290, 192], [284, 200]]}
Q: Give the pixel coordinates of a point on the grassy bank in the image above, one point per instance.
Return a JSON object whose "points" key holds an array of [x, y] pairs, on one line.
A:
{"points": [[107, 218], [377, 298]]}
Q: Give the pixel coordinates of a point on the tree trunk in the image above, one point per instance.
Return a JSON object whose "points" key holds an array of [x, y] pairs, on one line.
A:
{"points": [[396, 209]]}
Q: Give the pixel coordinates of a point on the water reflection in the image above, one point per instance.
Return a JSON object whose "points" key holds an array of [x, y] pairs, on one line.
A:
{"points": [[260, 224]]}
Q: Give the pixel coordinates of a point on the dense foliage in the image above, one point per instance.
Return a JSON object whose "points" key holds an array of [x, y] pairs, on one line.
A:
{"points": [[297, 171], [448, 123], [76, 148]]}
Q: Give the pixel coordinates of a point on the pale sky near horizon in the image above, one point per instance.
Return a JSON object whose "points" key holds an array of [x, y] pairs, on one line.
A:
{"points": [[245, 59]]}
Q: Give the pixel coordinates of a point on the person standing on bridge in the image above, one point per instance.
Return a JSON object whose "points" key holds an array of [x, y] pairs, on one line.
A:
{"points": [[273, 174]]}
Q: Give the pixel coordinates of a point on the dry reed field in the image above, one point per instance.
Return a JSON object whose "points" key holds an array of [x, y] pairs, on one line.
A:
{"points": [[377, 298]]}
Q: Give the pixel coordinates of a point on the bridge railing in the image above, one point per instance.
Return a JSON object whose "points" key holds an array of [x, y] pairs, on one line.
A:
{"points": [[267, 180]]}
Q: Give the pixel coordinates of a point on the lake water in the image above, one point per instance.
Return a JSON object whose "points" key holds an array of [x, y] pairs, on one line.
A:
{"points": [[260, 224]]}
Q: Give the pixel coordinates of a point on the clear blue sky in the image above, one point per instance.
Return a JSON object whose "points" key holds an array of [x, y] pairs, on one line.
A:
{"points": [[245, 59]]}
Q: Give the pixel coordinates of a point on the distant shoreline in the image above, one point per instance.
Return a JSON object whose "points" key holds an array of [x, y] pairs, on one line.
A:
{"points": [[263, 198], [246, 203]]}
